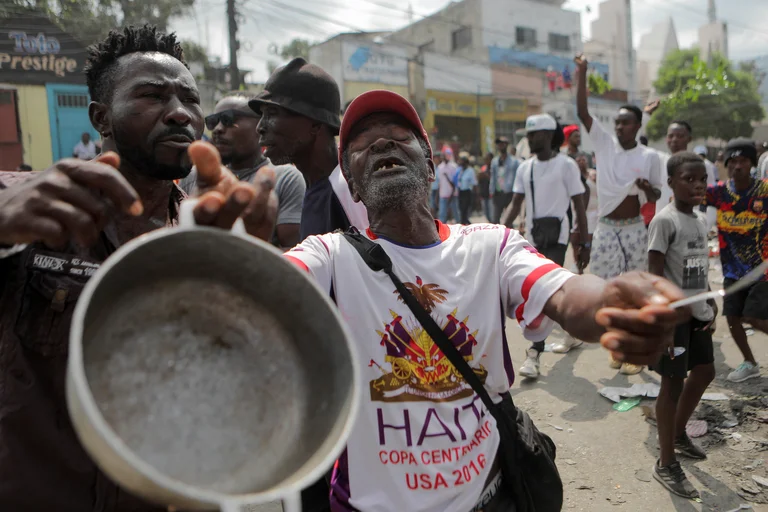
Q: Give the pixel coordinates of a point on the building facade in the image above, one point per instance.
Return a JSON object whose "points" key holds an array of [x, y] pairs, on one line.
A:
{"points": [[43, 97]]}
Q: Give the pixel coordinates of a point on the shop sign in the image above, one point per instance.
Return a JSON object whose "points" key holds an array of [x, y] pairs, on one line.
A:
{"points": [[39, 53], [376, 63]]}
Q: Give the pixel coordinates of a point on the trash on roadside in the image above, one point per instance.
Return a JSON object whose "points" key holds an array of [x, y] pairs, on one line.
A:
{"points": [[740, 443], [647, 389], [570, 462], [743, 506], [751, 489], [715, 397], [754, 465], [627, 404], [555, 427], [761, 480], [642, 475], [696, 428], [729, 422]]}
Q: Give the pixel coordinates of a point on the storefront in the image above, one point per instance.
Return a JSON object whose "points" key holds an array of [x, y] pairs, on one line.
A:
{"points": [[368, 66], [43, 97], [463, 121], [510, 116]]}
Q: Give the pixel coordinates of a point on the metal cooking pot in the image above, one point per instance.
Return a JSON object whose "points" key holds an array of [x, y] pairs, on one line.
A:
{"points": [[206, 371]]}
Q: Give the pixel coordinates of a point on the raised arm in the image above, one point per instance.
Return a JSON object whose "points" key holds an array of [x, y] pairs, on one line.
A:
{"points": [[582, 109]]}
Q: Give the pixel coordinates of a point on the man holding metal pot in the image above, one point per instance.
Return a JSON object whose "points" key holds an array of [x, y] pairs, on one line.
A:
{"points": [[424, 439], [58, 225]]}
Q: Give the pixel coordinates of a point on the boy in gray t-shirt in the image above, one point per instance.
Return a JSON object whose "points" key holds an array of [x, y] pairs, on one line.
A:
{"points": [[677, 250]]}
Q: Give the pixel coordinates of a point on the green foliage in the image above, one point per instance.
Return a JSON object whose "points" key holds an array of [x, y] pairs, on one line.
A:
{"points": [[597, 84], [296, 48], [716, 99], [91, 20]]}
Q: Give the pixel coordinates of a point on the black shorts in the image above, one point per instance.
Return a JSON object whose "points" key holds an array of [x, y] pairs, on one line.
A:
{"points": [[556, 253], [751, 302], [699, 350]]}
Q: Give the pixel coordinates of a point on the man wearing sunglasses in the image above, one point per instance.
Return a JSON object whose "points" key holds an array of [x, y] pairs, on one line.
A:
{"points": [[233, 132]]}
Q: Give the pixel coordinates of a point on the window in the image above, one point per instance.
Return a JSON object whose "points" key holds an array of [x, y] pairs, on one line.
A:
{"points": [[526, 37], [508, 129], [559, 43], [72, 100], [461, 38]]}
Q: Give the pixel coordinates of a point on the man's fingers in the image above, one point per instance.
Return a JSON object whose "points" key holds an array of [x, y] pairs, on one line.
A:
{"points": [[109, 158], [207, 161], [79, 223], [105, 178], [631, 348], [650, 319], [638, 289], [79, 196], [237, 202]]}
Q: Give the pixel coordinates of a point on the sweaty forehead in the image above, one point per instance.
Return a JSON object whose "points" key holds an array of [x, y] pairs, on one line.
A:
{"points": [[233, 103], [139, 68], [626, 115], [379, 120]]}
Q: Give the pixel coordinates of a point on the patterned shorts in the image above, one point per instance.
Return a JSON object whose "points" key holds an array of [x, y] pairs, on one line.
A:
{"points": [[618, 247]]}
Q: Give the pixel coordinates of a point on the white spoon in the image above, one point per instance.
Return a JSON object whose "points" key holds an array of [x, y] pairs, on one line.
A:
{"points": [[752, 277]]}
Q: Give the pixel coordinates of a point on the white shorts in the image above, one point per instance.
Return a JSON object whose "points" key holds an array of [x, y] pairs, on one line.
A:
{"points": [[618, 247]]}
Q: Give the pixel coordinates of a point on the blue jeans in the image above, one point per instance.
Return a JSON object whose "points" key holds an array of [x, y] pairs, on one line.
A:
{"points": [[487, 209], [447, 203]]}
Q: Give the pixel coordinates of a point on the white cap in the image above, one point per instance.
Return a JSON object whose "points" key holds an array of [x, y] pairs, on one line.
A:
{"points": [[700, 150], [540, 122]]}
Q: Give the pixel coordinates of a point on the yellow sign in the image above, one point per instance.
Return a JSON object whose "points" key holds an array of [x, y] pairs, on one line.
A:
{"points": [[454, 104], [511, 109]]}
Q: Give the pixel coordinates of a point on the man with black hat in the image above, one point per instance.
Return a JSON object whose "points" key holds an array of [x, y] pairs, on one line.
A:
{"points": [[742, 210], [503, 172], [299, 109]]}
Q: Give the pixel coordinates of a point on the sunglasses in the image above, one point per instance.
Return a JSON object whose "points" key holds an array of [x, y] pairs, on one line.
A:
{"points": [[227, 118]]}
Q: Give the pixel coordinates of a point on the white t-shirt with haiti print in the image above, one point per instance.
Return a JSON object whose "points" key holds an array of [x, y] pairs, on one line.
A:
{"points": [[423, 440]]}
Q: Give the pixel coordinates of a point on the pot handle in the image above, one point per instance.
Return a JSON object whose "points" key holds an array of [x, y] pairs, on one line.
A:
{"points": [[187, 218], [291, 503]]}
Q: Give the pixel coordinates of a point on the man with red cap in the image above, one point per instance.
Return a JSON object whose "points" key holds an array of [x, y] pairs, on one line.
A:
{"points": [[422, 440]]}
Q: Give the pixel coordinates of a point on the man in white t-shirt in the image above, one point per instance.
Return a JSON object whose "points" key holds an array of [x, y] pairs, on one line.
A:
{"points": [[628, 176], [85, 149], [548, 182], [422, 440]]}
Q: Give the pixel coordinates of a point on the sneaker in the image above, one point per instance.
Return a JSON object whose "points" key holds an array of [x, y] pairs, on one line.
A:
{"points": [[746, 370], [614, 364], [685, 446], [530, 368], [566, 345], [673, 478], [630, 369]]}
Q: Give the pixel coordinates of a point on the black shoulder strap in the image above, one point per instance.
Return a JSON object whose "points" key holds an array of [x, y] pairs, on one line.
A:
{"points": [[533, 194], [377, 260]]}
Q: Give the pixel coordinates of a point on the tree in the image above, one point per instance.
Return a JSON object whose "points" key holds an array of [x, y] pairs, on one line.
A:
{"points": [[91, 20], [296, 48], [717, 99]]}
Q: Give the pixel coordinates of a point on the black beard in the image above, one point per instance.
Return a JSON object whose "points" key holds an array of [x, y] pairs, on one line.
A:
{"points": [[148, 166]]}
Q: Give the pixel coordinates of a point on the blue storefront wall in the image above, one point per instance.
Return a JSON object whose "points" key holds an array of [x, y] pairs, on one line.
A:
{"points": [[68, 112], [524, 59]]}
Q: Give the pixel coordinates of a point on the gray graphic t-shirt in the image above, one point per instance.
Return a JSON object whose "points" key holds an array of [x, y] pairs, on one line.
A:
{"points": [[682, 238]]}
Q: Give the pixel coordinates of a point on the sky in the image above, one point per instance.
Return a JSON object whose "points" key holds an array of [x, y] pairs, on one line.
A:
{"points": [[268, 24]]}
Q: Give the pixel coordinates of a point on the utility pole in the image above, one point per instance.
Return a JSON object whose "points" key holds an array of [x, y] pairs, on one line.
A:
{"points": [[234, 45], [631, 71]]}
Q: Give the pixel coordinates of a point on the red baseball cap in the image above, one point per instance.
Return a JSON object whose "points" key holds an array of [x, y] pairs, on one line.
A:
{"points": [[568, 130], [376, 101]]}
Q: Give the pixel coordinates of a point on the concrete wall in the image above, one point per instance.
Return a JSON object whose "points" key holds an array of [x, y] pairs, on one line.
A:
{"points": [[35, 126], [713, 38], [520, 83], [454, 74], [500, 18], [435, 33], [609, 41], [327, 55]]}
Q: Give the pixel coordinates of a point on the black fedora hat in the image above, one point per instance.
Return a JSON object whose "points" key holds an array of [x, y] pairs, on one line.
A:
{"points": [[304, 89]]}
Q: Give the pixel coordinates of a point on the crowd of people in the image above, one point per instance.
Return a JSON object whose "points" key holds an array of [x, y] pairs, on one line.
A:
{"points": [[296, 173]]}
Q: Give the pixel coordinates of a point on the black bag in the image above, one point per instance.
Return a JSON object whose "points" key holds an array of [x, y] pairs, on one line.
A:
{"points": [[527, 456], [545, 231]]}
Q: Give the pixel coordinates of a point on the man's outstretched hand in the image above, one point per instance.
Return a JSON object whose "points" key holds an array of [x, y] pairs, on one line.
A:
{"points": [[73, 199], [639, 323], [223, 198]]}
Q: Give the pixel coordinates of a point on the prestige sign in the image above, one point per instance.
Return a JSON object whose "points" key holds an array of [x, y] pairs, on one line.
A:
{"points": [[38, 53]]}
